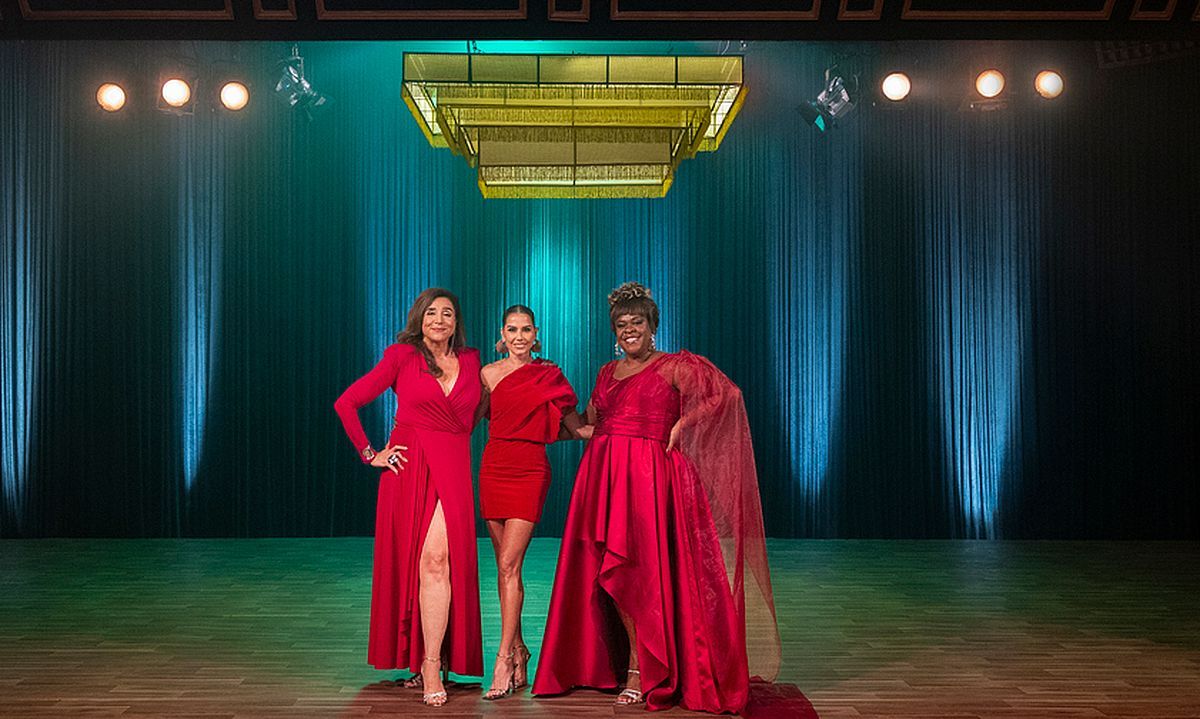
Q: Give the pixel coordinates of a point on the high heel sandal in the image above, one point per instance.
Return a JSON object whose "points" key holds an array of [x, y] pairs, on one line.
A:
{"points": [[521, 666], [417, 681], [629, 697], [493, 694], [434, 699]]}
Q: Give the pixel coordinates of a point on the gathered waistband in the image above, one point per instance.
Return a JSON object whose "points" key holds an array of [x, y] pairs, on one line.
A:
{"points": [[616, 432]]}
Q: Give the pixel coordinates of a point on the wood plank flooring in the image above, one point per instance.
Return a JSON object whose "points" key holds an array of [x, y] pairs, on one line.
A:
{"points": [[277, 628]]}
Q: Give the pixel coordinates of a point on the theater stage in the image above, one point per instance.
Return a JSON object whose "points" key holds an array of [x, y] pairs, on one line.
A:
{"points": [[277, 627]]}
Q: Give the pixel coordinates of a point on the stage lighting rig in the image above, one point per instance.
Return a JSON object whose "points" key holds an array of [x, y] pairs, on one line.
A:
{"points": [[896, 86], [111, 97], [295, 89], [1049, 84], [988, 92], [234, 95], [177, 89], [834, 102]]}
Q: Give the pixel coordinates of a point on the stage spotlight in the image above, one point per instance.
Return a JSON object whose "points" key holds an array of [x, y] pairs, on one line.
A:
{"points": [[896, 86], [110, 97], [176, 92], [833, 103], [234, 95], [294, 88], [1049, 84], [990, 83]]}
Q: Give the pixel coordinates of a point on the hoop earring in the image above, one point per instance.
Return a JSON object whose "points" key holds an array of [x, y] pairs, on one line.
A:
{"points": [[500, 346]]}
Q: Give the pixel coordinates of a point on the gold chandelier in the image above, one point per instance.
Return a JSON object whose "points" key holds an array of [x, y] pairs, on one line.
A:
{"points": [[573, 126]]}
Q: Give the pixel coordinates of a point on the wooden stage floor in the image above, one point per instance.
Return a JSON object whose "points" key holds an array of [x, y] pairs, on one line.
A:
{"points": [[241, 628]]}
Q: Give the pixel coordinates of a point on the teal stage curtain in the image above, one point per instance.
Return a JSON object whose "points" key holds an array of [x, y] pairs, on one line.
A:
{"points": [[945, 323]]}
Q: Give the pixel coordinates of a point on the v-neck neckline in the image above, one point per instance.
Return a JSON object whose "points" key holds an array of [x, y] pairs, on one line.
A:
{"points": [[441, 387]]}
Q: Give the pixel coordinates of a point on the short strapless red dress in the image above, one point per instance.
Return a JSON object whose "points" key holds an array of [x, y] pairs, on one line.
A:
{"points": [[527, 407]]}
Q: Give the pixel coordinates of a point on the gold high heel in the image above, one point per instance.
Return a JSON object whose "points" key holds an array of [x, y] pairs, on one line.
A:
{"points": [[521, 666], [435, 699], [493, 694]]}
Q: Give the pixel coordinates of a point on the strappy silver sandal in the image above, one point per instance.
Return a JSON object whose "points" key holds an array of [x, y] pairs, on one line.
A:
{"points": [[434, 699], [629, 697], [493, 694]]}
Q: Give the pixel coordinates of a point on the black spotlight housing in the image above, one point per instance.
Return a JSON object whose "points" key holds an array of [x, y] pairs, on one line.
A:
{"points": [[294, 88], [833, 103]]}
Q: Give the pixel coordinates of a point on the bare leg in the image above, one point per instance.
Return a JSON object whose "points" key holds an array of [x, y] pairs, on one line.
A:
{"points": [[633, 681], [434, 597], [510, 540]]}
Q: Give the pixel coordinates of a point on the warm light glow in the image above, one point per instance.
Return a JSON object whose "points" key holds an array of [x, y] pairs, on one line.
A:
{"points": [[176, 92], [990, 83], [110, 97], [896, 86], [1049, 84], [234, 95], [579, 126]]}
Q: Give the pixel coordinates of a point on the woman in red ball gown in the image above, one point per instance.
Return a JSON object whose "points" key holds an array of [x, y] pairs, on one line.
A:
{"points": [[529, 405], [425, 550], [662, 583]]}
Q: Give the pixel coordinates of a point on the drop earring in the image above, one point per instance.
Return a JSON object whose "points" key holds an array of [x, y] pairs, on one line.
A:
{"points": [[616, 349]]}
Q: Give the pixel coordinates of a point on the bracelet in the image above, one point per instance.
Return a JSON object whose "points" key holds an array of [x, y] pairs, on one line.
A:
{"points": [[367, 454]]}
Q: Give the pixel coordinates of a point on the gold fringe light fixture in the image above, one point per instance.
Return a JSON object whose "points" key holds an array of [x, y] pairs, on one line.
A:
{"points": [[573, 126]]}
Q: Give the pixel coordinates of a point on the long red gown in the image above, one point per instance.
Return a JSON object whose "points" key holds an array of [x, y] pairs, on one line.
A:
{"points": [[436, 428], [674, 538], [526, 409]]}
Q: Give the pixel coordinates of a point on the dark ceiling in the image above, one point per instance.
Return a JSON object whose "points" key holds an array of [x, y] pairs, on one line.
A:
{"points": [[825, 20]]}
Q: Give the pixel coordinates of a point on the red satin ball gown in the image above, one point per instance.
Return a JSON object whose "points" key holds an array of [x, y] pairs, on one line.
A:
{"points": [[436, 428], [526, 409], [674, 538]]}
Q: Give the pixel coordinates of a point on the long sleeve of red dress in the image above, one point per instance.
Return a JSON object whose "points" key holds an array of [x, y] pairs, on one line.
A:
{"points": [[364, 391]]}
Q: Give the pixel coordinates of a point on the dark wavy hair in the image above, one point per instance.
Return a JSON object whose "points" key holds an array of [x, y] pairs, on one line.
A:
{"points": [[518, 309], [413, 335], [632, 298]]}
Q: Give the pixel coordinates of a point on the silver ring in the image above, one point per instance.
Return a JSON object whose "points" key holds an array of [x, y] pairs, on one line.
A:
{"points": [[392, 459]]}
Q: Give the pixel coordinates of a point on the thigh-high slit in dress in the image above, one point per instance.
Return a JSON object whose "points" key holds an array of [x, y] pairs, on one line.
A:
{"points": [[436, 428]]}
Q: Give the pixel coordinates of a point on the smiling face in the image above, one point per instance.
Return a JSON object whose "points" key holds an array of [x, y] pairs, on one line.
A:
{"points": [[438, 322], [633, 335], [519, 334]]}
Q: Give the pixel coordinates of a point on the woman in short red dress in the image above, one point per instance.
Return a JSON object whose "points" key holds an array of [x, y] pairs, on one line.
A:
{"points": [[529, 403], [425, 585], [662, 583]]}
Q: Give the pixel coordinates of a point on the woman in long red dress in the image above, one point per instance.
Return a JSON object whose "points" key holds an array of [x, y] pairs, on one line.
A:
{"points": [[662, 582], [425, 585], [529, 404]]}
